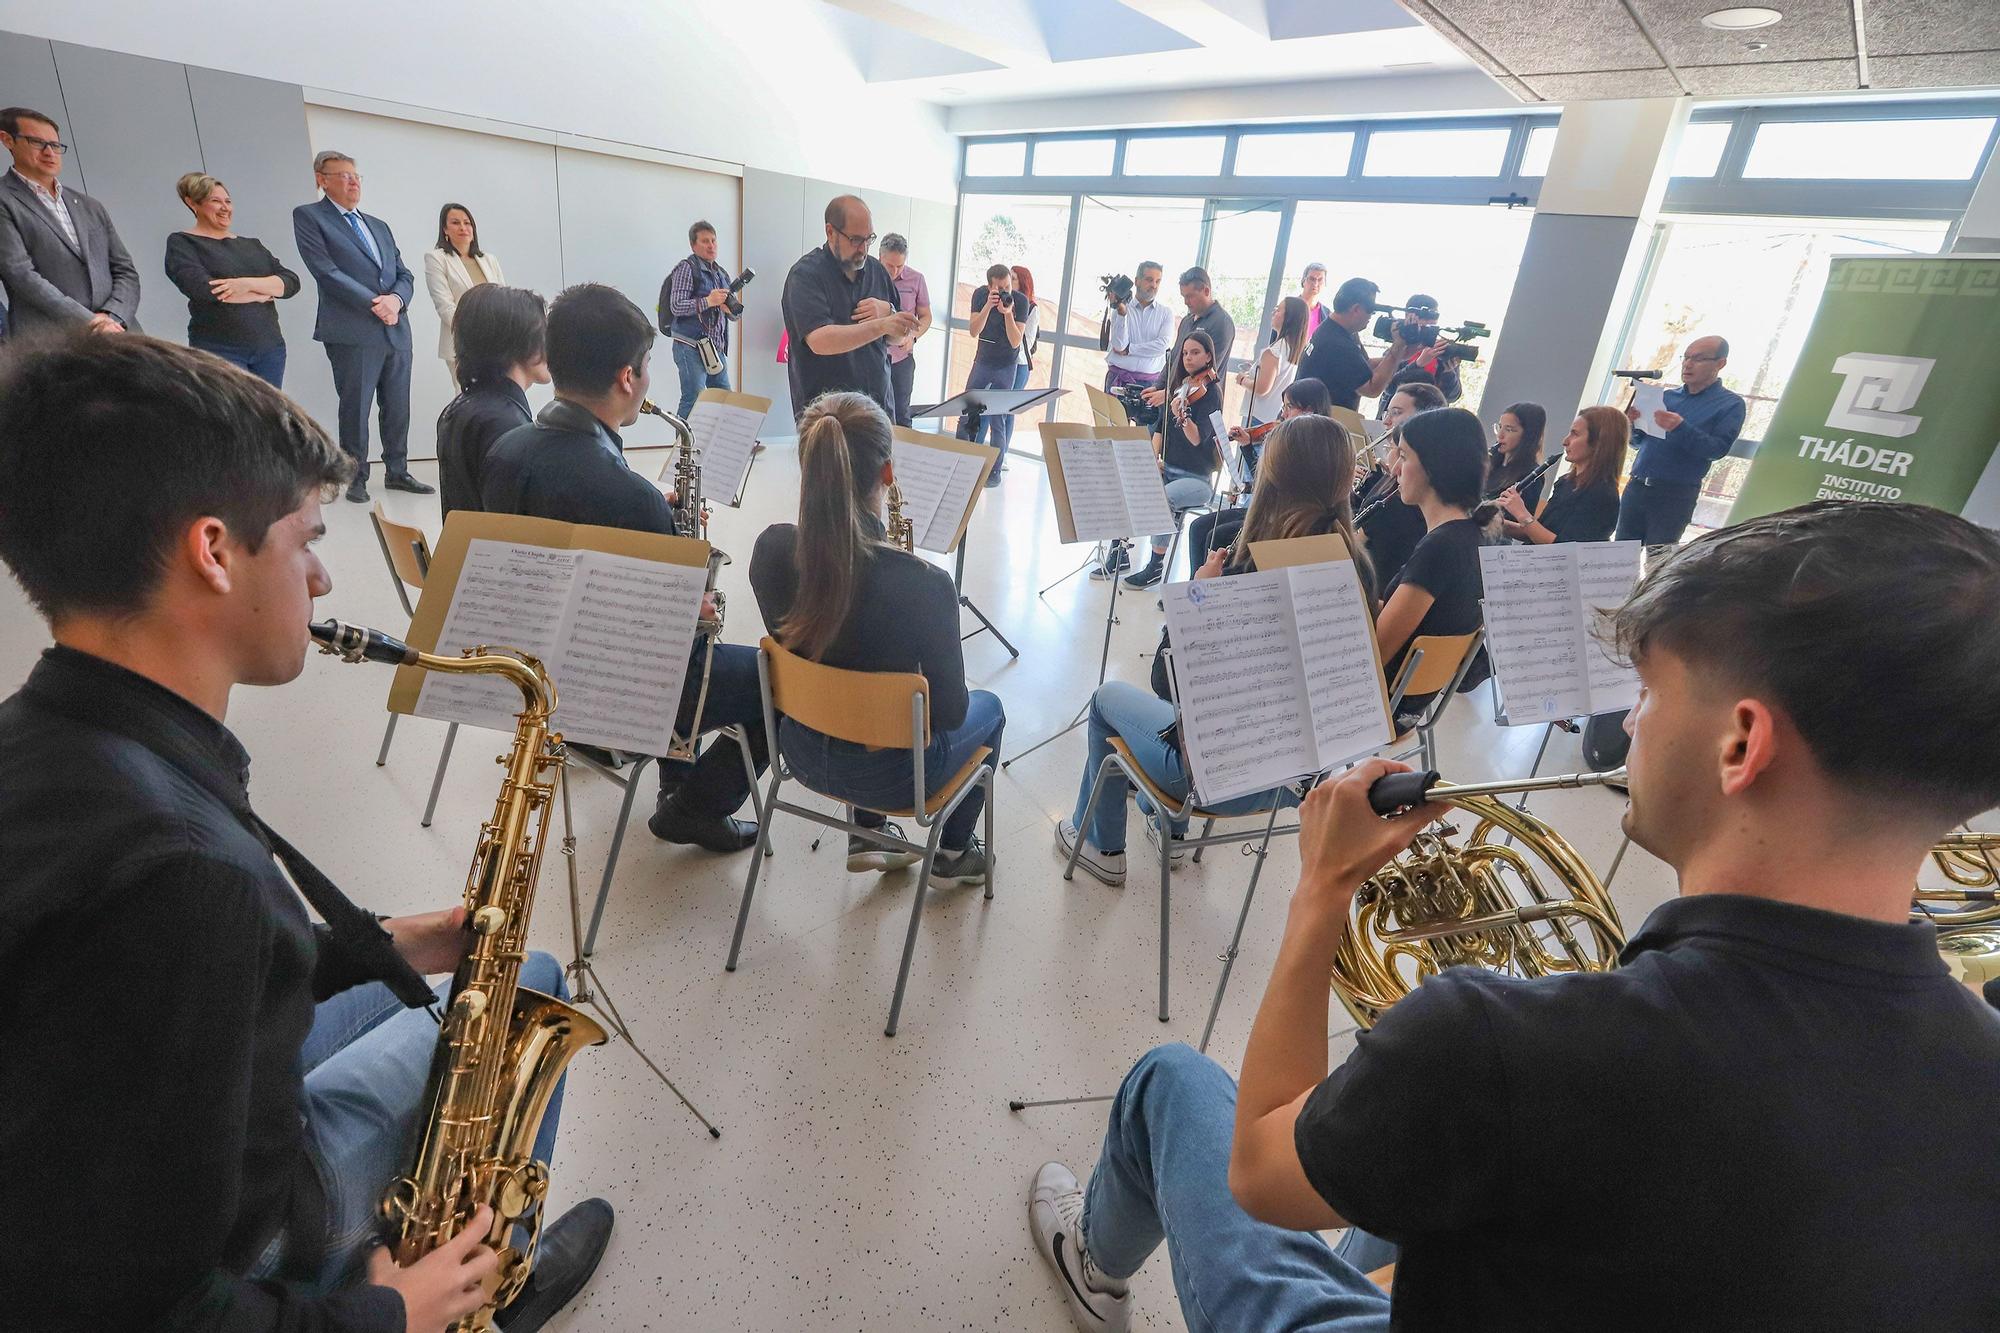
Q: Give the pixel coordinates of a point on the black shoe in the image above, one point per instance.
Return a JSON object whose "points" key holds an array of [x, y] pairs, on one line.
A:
{"points": [[715, 833], [1114, 564], [357, 491], [565, 1259], [403, 481], [968, 862], [1155, 569]]}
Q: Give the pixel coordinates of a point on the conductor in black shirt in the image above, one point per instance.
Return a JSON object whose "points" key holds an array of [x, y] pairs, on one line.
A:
{"points": [[1729, 1130], [840, 313], [570, 465], [499, 347]]}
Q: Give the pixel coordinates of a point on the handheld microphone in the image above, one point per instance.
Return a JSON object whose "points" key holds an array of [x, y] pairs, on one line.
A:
{"points": [[1637, 374]]}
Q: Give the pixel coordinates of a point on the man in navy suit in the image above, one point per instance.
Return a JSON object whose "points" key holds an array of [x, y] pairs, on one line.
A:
{"points": [[363, 290]]}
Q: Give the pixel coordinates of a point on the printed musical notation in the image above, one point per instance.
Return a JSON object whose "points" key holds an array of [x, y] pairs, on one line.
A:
{"points": [[725, 430], [1277, 676], [1541, 607], [1097, 506], [1145, 489], [613, 631]]}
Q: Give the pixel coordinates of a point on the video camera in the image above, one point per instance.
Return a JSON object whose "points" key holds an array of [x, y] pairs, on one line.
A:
{"points": [[734, 305], [1417, 333], [1117, 288]]}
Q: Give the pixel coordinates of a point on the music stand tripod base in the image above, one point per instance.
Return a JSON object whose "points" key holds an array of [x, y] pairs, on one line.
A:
{"points": [[1103, 661]]}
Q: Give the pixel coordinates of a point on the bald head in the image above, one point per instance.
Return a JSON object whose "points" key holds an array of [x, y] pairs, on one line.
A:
{"points": [[850, 229], [1702, 362]]}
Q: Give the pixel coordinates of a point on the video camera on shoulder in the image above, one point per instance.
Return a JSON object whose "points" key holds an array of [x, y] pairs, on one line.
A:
{"points": [[1419, 328]]}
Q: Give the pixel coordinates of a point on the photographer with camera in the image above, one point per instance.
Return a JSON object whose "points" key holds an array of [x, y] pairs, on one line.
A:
{"points": [[1423, 355], [998, 325], [1137, 329], [697, 301]]}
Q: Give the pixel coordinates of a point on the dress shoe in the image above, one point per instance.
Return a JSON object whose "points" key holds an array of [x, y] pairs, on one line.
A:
{"points": [[674, 822], [564, 1260], [405, 482], [357, 491]]}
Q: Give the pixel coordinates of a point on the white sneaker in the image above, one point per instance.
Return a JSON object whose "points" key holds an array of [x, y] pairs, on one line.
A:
{"points": [[1055, 1216], [1179, 852], [1104, 867]]}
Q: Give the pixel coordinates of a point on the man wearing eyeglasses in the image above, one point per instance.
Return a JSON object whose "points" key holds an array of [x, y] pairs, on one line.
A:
{"points": [[841, 313], [61, 261], [1677, 445]]}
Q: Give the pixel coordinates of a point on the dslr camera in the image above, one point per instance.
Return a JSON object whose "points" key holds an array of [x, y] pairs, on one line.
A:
{"points": [[1117, 288], [734, 303]]}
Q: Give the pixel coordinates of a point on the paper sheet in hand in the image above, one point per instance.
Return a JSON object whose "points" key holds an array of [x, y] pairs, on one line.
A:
{"points": [[1648, 399], [1278, 676], [1541, 608], [613, 630], [725, 427], [940, 479]]}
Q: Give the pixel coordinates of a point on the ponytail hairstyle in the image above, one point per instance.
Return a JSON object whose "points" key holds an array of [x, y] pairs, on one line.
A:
{"points": [[1303, 477], [1610, 432], [1310, 396], [844, 440], [1450, 444], [1293, 313]]}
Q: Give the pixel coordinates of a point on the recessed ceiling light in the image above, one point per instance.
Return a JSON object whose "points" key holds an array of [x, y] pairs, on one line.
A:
{"points": [[952, 92], [1741, 19]]}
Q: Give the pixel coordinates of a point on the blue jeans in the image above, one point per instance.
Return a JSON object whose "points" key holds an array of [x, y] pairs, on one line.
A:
{"points": [[877, 780], [1139, 716], [694, 376], [714, 782], [1185, 490], [1164, 1175], [366, 1061], [267, 365], [997, 428]]}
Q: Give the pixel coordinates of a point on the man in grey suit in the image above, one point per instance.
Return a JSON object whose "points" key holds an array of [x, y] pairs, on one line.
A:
{"points": [[61, 261], [363, 292]]}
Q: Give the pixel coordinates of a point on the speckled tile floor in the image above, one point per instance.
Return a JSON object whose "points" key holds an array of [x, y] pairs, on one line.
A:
{"points": [[861, 1183]]}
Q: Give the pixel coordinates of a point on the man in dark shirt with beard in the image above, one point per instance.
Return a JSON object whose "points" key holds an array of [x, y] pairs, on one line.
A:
{"points": [[840, 313]]}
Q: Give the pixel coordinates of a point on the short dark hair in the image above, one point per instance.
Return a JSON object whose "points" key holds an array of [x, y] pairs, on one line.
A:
{"points": [[894, 244], [1309, 396], [11, 118], [444, 242], [1195, 277], [1354, 292], [111, 447], [700, 227], [1423, 395], [1451, 445], [594, 332], [1811, 609], [998, 271], [1422, 299], [495, 329], [1152, 264]]}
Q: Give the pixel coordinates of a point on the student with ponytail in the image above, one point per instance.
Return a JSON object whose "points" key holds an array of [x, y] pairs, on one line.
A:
{"points": [[833, 591]]}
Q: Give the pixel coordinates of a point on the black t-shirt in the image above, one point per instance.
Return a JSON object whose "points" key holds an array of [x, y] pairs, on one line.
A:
{"points": [[1581, 516], [1335, 359], [1445, 565], [1200, 455], [994, 349], [1392, 530], [1501, 475], [818, 292], [468, 428], [1768, 1117], [252, 326], [1444, 375]]}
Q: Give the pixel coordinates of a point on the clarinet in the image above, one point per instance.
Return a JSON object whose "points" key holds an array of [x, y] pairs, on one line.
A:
{"points": [[1535, 474]]}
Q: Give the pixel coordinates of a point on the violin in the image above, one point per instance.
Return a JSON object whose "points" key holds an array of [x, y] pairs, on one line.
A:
{"points": [[1252, 434], [1194, 387]]}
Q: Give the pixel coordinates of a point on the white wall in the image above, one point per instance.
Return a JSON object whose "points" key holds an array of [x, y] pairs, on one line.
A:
{"points": [[761, 83]]}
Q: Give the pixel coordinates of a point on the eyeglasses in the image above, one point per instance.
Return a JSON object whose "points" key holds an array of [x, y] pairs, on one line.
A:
{"points": [[52, 145], [1690, 356], [353, 176], [861, 242]]}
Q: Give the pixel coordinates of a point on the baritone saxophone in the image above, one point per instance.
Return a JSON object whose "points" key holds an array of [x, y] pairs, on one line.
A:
{"points": [[502, 1047]]}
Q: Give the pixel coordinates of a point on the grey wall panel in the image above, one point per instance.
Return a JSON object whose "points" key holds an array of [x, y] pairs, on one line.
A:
{"points": [[930, 253], [133, 120], [773, 240], [253, 139], [1564, 316], [28, 78]]}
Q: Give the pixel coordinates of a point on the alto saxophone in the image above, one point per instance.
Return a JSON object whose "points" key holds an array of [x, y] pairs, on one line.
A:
{"points": [[901, 531], [502, 1048], [691, 520]]}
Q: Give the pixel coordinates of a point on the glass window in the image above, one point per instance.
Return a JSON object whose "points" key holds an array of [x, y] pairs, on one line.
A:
{"points": [[1399, 246], [1115, 235], [1073, 157], [1756, 282], [1305, 153], [1239, 269], [1174, 155], [1908, 150], [1701, 148], [990, 157], [1010, 229], [1472, 152], [1535, 157]]}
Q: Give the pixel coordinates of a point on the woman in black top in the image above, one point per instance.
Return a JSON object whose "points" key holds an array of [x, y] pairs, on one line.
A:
{"points": [[1441, 466], [1517, 448], [1392, 528], [230, 283], [1217, 528], [1185, 442], [499, 350], [1301, 492], [832, 590], [1583, 504]]}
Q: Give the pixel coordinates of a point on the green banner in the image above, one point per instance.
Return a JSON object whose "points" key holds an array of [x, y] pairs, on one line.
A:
{"points": [[1896, 395]]}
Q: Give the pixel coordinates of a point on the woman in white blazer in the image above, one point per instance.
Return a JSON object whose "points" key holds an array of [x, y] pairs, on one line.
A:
{"points": [[453, 268]]}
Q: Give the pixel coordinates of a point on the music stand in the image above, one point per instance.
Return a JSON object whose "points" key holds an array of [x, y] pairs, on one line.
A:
{"points": [[977, 404]]}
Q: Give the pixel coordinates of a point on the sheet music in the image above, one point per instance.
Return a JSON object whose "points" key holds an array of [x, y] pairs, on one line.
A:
{"points": [[1648, 399], [1541, 604], [1092, 475], [923, 475], [625, 652], [727, 437], [1343, 677], [1144, 487], [508, 596], [1241, 682], [1606, 574], [958, 497]]}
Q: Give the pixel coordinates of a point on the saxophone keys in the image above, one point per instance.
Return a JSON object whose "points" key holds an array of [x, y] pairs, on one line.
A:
{"points": [[470, 1005], [489, 920]]}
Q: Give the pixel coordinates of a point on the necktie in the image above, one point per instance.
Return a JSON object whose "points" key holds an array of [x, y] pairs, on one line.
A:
{"points": [[367, 241]]}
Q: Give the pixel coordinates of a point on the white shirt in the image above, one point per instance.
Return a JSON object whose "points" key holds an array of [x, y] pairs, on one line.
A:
{"points": [[1140, 337], [1264, 406], [56, 206], [1031, 333]]}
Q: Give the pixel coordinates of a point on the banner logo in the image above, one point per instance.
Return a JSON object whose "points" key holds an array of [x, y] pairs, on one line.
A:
{"points": [[1877, 392]]}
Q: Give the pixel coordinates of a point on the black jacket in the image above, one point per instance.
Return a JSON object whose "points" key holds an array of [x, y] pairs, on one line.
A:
{"points": [[157, 980], [567, 465], [468, 428]]}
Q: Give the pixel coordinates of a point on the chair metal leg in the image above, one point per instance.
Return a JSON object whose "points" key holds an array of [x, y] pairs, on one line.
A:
{"points": [[388, 734], [750, 772], [1207, 827], [1242, 915], [631, 783], [1166, 893], [1624, 845], [761, 851], [437, 782], [916, 919], [991, 854], [1089, 811]]}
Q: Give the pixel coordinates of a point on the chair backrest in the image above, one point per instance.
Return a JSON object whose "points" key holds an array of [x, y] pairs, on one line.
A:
{"points": [[405, 547], [865, 707], [1443, 654], [1352, 422], [1104, 409]]}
